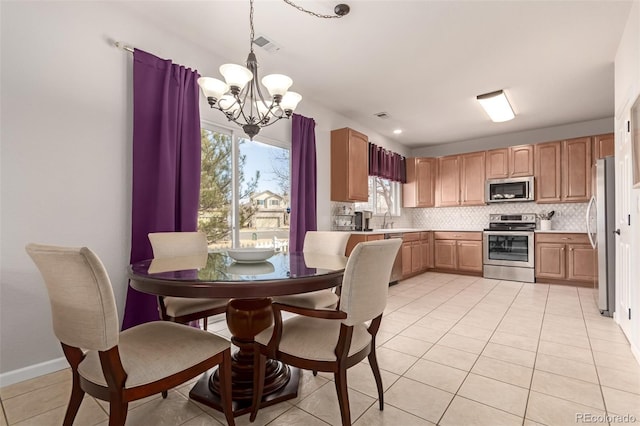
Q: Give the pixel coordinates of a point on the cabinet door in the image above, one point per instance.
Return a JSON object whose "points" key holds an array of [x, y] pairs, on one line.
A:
{"points": [[358, 167], [472, 179], [581, 263], [448, 181], [550, 260], [521, 161], [426, 182], [603, 146], [469, 256], [576, 170], [445, 254], [406, 259], [547, 172], [349, 165], [497, 165], [416, 257]]}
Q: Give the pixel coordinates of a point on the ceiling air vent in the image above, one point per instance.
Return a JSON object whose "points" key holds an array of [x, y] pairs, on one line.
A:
{"points": [[382, 115], [266, 44]]}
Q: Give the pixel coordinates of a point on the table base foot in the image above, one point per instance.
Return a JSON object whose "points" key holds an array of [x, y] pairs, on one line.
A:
{"points": [[202, 393]]}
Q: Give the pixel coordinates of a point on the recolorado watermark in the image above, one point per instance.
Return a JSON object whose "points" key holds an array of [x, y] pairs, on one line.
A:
{"points": [[609, 418]]}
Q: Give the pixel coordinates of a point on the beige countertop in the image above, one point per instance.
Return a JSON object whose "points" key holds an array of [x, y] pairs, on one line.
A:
{"points": [[559, 231]]}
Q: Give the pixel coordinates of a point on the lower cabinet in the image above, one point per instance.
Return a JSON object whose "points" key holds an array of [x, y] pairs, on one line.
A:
{"points": [[416, 253], [458, 252], [565, 258]]}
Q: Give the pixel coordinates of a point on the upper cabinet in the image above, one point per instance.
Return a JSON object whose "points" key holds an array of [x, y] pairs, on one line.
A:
{"points": [[603, 146], [419, 191], [472, 179], [460, 180], [563, 171], [515, 161], [349, 165]]}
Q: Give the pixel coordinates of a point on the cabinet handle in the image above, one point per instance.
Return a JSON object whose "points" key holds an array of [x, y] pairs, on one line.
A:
{"points": [[571, 249], [565, 238]]}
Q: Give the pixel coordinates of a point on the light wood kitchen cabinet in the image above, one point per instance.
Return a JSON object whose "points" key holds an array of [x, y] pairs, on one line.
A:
{"points": [[603, 146], [576, 170], [349, 165], [460, 180], [514, 161], [565, 258], [426, 244], [411, 254], [472, 179], [563, 171], [355, 239], [448, 181], [419, 191], [458, 251]]}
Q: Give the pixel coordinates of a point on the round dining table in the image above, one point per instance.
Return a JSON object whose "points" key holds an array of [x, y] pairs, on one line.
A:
{"points": [[249, 287]]}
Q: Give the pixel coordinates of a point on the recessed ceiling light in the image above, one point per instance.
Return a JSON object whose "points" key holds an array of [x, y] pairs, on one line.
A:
{"points": [[397, 131], [497, 106]]}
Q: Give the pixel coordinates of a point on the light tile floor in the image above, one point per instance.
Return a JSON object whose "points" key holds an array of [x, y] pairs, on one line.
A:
{"points": [[454, 350]]}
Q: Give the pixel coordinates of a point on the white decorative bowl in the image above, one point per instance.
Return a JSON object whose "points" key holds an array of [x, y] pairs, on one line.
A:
{"points": [[250, 255]]}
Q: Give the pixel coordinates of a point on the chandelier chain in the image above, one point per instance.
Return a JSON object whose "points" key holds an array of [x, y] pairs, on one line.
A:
{"points": [[317, 15], [252, 35]]}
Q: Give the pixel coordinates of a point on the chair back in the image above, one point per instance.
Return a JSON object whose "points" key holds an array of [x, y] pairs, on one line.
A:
{"points": [[366, 280], [326, 242], [176, 244], [83, 307]]}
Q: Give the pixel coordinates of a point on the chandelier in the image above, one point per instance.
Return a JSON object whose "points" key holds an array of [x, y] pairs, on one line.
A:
{"points": [[240, 96]]}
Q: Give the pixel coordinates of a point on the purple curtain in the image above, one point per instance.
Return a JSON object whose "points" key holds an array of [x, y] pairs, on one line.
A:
{"points": [[166, 163], [387, 164], [303, 181]]}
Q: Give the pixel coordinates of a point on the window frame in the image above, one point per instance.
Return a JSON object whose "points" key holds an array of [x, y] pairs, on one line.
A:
{"points": [[372, 203]]}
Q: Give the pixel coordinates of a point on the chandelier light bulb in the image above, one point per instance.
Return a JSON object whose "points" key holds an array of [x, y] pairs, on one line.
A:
{"points": [[236, 76], [290, 101], [212, 87], [277, 84]]}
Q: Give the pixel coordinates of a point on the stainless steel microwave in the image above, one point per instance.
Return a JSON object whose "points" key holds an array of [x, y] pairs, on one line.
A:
{"points": [[509, 190]]}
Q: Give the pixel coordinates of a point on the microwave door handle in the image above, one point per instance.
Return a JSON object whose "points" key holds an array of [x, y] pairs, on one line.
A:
{"points": [[587, 218]]}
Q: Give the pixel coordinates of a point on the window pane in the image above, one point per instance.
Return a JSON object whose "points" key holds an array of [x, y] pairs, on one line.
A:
{"points": [[214, 213], [264, 173]]}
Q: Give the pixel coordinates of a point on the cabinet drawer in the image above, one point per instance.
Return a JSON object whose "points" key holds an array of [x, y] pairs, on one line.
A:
{"points": [[562, 238], [411, 236], [460, 235], [424, 236]]}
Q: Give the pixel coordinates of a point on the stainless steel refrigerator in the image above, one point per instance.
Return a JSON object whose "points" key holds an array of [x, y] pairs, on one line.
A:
{"points": [[601, 223]]}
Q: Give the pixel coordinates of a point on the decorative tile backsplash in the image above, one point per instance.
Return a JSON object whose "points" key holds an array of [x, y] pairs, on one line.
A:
{"points": [[567, 217]]}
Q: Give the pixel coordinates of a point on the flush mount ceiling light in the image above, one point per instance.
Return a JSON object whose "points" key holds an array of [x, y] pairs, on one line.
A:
{"points": [[240, 97], [497, 106], [397, 131]]}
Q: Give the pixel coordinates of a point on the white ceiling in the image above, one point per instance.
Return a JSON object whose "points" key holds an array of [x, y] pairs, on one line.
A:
{"points": [[424, 62]]}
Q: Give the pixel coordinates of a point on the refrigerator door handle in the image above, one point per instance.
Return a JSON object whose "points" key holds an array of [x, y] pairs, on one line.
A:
{"points": [[588, 217]]}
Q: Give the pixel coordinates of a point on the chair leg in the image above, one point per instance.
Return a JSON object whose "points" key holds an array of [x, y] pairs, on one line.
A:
{"points": [[315, 372], [343, 396], [204, 323], [77, 394], [117, 413], [373, 363], [165, 394], [259, 367], [225, 386]]}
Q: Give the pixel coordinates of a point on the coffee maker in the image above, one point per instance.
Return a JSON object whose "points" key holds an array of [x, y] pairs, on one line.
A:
{"points": [[362, 220]]}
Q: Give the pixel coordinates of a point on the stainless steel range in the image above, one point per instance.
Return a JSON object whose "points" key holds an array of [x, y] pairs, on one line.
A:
{"points": [[509, 247]]}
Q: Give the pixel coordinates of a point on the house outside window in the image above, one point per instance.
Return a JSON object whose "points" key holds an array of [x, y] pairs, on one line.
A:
{"points": [[244, 191]]}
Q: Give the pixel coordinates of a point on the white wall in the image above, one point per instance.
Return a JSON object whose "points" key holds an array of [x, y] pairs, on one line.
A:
{"points": [[66, 152], [567, 131], [627, 89]]}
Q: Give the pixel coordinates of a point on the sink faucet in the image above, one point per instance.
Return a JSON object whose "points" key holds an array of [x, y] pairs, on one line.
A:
{"points": [[384, 219]]}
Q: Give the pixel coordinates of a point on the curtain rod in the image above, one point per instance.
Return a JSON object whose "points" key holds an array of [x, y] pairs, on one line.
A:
{"points": [[123, 46]]}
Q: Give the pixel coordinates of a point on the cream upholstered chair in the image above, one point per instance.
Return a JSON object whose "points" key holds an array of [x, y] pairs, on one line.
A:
{"points": [[320, 242], [119, 367], [333, 340], [182, 309]]}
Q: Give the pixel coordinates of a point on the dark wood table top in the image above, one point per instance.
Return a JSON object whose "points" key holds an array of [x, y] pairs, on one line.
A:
{"points": [[216, 275]]}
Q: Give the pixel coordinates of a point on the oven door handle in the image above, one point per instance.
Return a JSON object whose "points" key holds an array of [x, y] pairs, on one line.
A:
{"points": [[511, 233]]}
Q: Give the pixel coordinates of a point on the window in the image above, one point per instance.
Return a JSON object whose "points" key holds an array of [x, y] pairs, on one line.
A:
{"points": [[384, 197], [237, 176]]}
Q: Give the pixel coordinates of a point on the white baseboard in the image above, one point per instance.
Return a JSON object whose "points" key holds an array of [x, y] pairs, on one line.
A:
{"points": [[26, 373]]}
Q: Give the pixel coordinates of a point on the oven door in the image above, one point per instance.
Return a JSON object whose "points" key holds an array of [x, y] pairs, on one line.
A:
{"points": [[509, 248]]}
